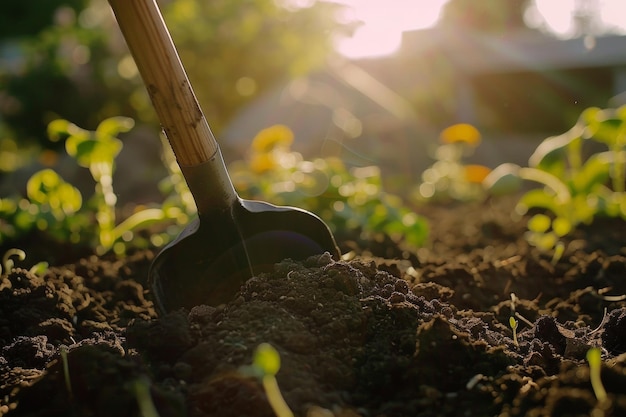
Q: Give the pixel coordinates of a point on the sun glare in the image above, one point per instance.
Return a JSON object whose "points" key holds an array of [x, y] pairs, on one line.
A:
{"points": [[556, 16], [384, 22]]}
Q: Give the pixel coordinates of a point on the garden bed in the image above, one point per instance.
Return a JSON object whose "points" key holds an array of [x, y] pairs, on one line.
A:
{"points": [[385, 333]]}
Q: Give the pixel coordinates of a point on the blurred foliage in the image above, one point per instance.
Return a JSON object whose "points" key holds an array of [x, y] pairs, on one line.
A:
{"points": [[347, 199], [50, 73], [449, 178], [234, 50], [69, 61], [539, 101], [56, 208], [19, 18]]}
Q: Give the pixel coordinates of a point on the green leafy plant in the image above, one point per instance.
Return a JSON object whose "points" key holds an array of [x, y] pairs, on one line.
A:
{"points": [[57, 207], [449, 178], [575, 189], [345, 198], [50, 204]]}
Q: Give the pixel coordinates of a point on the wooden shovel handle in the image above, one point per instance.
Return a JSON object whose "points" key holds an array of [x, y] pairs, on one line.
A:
{"points": [[162, 71]]}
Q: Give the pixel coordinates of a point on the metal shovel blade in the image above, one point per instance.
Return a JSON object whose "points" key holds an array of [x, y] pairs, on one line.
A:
{"points": [[214, 256]]}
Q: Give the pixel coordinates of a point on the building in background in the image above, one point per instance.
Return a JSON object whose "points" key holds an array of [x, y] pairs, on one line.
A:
{"points": [[517, 88]]}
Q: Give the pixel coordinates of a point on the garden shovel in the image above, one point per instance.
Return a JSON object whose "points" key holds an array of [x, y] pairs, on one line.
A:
{"points": [[232, 239]]}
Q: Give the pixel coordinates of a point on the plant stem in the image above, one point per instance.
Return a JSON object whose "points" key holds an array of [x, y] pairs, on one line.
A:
{"points": [[549, 180], [7, 262], [141, 387], [102, 173], [138, 219], [66, 371], [595, 367], [618, 166], [275, 398]]}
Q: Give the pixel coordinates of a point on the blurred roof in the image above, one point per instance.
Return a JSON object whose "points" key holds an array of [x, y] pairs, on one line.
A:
{"points": [[360, 110], [343, 105], [476, 52]]}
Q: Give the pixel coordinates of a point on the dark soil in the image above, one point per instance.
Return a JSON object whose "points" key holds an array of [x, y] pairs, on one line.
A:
{"points": [[385, 333]]}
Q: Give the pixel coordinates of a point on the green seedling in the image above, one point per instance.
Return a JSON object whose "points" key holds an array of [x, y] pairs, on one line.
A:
{"points": [[141, 388], [56, 207], [8, 264], [66, 371], [97, 150], [266, 363], [595, 364], [574, 189], [346, 199], [514, 324], [51, 204]]}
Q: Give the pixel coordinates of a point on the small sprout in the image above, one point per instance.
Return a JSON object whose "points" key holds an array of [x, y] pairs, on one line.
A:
{"points": [[503, 180], [559, 249], [7, 262], [514, 323], [66, 371], [39, 268], [474, 381], [267, 362], [513, 303], [141, 388], [595, 365]]}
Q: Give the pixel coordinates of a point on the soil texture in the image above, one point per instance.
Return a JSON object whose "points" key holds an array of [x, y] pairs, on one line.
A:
{"points": [[384, 332]]}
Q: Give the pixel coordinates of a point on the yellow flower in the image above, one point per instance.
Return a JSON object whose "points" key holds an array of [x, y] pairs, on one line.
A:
{"points": [[262, 162], [272, 137], [476, 173], [461, 132]]}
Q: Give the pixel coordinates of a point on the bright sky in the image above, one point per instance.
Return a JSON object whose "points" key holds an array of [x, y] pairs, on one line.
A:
{"points": [[385, 20]]}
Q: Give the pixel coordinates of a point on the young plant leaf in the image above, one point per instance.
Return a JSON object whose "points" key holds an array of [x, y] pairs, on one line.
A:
{"points": [[561, 226], [113, 126], [538, 198], [267, 359], [539, 223]]}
